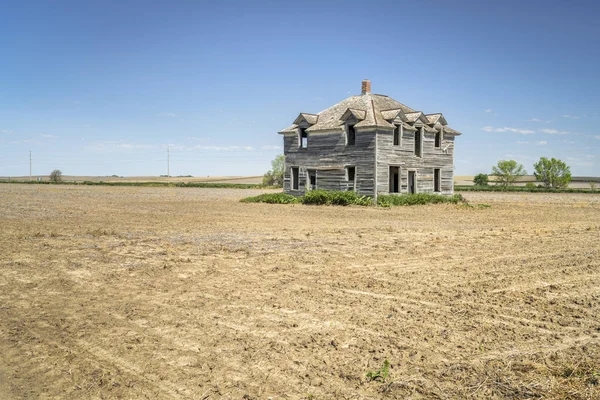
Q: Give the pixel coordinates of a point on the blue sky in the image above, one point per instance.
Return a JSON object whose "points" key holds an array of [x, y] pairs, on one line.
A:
{"points": [[101, 88]]}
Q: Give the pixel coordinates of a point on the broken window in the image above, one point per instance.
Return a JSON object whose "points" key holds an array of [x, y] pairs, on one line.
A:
{"points": [[397, 135], [437, 183], [438, 139], [295, 178], [303, 138], [419, 142], [350, 136], [312, 179], [351, 177], [412, 182]]}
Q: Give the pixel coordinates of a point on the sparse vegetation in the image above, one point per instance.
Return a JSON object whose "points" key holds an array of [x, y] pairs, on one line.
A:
{"points": [[507, 172], [272, 198], [339, 198], [481, 180], [552, 172], [381, 374], [56, 176], [417, 199], [592, 186]]}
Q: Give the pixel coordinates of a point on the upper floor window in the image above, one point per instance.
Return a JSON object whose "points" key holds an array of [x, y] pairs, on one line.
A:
{"points": [[438, 139], [350, 136], [303, 136], [419, 142], [397, 135]]}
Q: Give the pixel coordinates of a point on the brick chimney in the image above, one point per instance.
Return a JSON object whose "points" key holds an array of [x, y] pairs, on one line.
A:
{"points": [[366, 86]]}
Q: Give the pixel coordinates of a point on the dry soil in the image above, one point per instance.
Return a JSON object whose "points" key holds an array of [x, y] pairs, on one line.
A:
{"points": [[185, 293]]}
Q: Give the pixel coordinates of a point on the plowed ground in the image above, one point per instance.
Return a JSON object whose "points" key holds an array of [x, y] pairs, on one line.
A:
{"points": [[180, 293]]}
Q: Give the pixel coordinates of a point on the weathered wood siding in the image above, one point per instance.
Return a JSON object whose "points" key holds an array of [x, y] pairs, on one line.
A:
{"points": [[328, 154], [403, 157]]}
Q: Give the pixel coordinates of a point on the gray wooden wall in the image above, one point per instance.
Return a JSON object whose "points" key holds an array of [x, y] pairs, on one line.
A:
{"points": [[328, 154], [403, 156]]}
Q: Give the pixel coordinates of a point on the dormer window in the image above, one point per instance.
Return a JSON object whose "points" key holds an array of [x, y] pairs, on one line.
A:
{"points": [[397, 135], [303, 138], [438, 139], [350, 135], [419, 142]]}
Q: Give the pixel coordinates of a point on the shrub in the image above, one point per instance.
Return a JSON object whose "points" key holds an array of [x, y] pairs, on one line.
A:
{"points": [[530, 185], [348, 198], [272, 198], [56, 176], [481, 180], [417, 199], [317, 197]]}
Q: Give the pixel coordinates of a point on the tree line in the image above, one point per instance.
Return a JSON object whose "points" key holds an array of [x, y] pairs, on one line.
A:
{"points": [[553, 173]]}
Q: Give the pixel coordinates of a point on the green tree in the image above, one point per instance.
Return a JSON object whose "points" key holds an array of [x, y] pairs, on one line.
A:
{"points": [[481, 180], [552, 172], [275, 175], [56, 176], [507, 172]]}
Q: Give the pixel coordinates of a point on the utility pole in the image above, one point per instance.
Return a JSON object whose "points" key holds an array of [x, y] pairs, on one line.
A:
{"points": [[29, 164], [168, 161]]}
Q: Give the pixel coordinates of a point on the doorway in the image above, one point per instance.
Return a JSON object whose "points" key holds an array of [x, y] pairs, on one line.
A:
{"points": [[394, 180], [412, 182]]}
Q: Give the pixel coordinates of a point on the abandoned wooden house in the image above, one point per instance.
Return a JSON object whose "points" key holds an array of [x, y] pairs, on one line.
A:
{"points": [[371, 144]]}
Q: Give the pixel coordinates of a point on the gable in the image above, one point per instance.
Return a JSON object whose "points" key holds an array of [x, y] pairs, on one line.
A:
{"points": [[309, 119]]}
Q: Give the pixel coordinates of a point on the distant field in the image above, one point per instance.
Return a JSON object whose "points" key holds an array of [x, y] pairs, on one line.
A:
{"points": [[169, 293], [578, 182], [214, 179]]}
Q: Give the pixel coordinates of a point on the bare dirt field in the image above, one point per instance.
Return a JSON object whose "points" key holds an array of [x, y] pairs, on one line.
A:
{"points": [[252, 180], [184, 293]]}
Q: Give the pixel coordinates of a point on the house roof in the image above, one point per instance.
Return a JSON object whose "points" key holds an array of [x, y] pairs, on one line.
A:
{"points": [[370, 110]]}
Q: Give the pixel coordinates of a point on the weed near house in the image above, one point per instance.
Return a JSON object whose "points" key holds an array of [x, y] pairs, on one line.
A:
{"points": [[339, 198]]}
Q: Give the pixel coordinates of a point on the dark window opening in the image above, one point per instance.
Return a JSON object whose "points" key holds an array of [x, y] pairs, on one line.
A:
{"points": [[295, 178], [394, 180], [303, 138], [312, 179], [436, 180], [438, 139], [418, 140], [412, 182], [351, 140], [397, 135], [351, 172]]}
